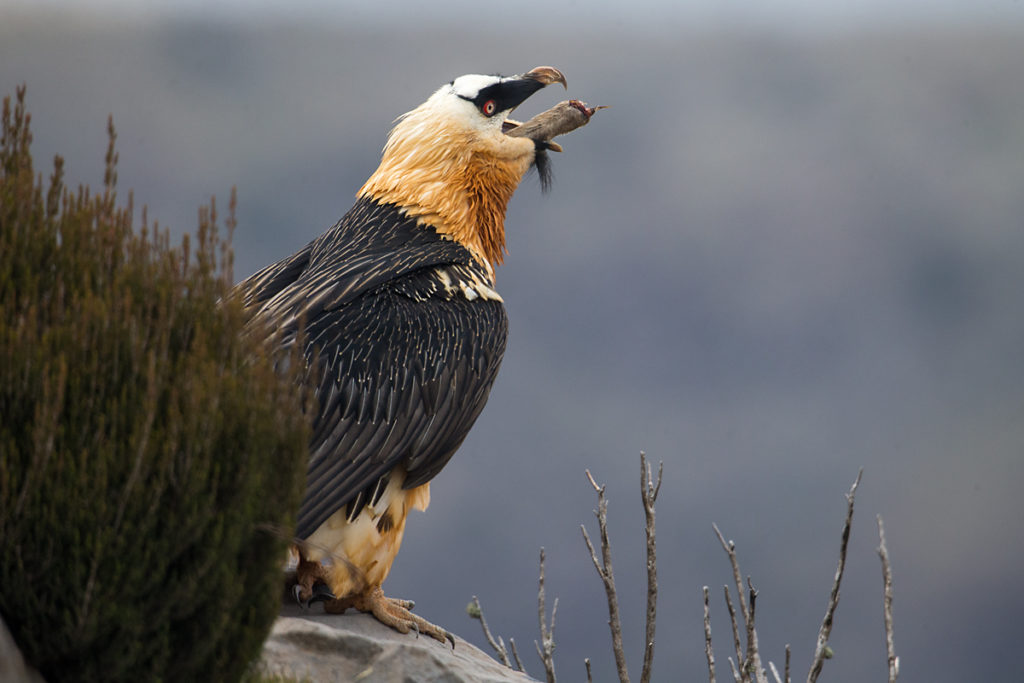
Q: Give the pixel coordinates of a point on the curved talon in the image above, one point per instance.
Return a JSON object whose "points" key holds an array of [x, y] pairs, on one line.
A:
{"points": [[321, 593], [395, 613], [297, 592]]}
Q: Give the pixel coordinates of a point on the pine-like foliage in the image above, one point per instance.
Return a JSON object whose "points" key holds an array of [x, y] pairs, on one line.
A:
{"points": [[151, 459]]}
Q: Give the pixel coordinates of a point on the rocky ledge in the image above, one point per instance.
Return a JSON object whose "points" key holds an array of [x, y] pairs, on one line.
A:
{"points": [[318, 647]]}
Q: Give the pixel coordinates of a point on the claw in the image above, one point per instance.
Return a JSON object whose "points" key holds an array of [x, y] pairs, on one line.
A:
{"points": [[395, 613], [321, 593], [318, 593], [297, 592]]}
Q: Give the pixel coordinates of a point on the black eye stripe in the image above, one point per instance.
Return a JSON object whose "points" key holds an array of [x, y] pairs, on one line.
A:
{"points": [[505, 94]]}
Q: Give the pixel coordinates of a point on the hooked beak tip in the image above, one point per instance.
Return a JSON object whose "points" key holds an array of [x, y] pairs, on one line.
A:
{"points": [[546, 75]]}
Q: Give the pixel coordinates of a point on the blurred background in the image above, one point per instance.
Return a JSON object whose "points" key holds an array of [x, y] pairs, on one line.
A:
{"points": [[792, 248]]}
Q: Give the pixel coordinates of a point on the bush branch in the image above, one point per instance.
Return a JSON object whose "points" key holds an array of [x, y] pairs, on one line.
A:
{"points": [[735, 626], [708, 651], [604, 570], [833, 600], [546, 648], [890, 649], [649, 494], [751, 663], [477, 612]]}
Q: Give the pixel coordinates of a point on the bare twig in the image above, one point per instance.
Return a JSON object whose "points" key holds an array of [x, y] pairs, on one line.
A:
{"points": [[735, 672], [890, 649], [826, 625], [547, 634], [604, 570], [775, 671], [730, 549], [515, 654], [586, 663], [476, 612], [752, 661], [708, 651], [735, 625], [649, 494]]}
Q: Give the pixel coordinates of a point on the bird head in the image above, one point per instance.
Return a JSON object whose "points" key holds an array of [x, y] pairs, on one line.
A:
{"points": [[449, 164]]}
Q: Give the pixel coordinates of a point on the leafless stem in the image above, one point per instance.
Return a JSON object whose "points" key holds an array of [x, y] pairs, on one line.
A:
{"points": [[752, 660], [708, 651], [730, 549], [477, 612], [735, 671], [649, 494], [890, 649], [547, 634], [586, 663], [604, 570], [788, 679], [515, 655], [833, 600], [735, 625], [775, 672]]}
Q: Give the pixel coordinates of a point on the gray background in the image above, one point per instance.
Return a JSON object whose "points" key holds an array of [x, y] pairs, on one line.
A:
{"points": [[792, 248]]}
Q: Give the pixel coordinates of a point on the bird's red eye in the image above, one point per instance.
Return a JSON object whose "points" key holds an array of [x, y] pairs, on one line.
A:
{"points": [[489, 108]]}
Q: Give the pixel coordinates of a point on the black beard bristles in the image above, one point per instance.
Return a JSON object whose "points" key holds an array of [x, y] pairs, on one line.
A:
{"points": [[542, 162]]}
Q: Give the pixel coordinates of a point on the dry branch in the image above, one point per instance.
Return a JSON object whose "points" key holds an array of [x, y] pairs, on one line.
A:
{"points": [[735, 671], [890, 649], [737, 647], [476, 612], [751, 662], [515, 654], [546, 648], [708, 651], [753, 659], [649, 494], [821, 649], [604, 570]]}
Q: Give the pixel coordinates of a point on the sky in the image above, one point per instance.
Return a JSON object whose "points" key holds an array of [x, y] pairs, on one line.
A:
{"points": [[641, 15]]}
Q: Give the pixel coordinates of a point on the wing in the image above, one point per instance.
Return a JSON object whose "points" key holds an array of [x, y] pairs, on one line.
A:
{"points": [[258, 288], [405, 369], [409, 336], [371, 245]]}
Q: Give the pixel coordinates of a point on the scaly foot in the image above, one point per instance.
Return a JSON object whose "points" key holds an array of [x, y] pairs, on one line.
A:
{"points": [[391, 612]]}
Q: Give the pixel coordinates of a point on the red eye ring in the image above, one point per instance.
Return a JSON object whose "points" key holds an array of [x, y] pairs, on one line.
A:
{"points": [[489, 108]]}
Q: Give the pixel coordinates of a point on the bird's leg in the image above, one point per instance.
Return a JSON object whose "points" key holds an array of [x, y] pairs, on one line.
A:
{"points": [[310, 583], [391, 612]]}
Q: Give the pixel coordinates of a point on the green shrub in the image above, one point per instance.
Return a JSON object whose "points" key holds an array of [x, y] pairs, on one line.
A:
{"points": [[151, 460]]}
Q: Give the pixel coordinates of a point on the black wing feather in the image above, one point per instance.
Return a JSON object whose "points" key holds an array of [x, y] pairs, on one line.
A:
{"points": [[405, 363]]}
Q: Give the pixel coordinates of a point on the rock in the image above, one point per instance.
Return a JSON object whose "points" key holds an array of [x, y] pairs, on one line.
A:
{"points": [[13, 668], [356, 647]]}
